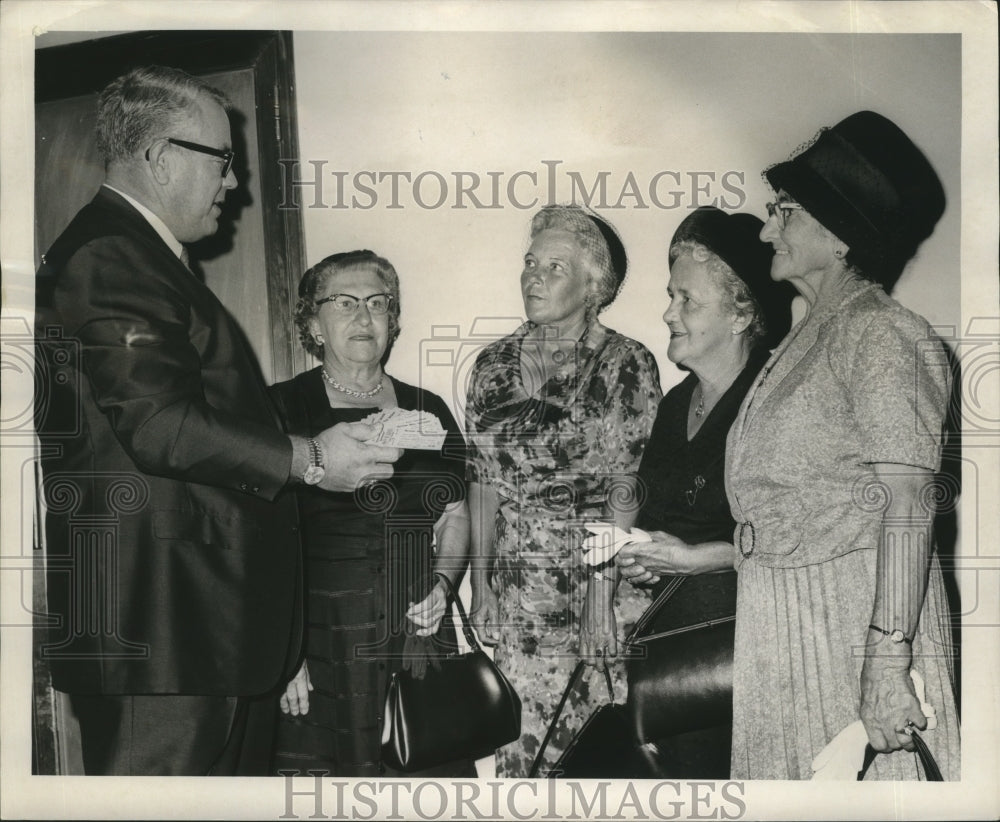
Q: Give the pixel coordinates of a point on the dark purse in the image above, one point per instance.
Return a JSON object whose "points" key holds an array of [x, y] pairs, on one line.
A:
{"points": [[462, 707], [680, 680], [603, 748], [931, 770], [606, 745]]}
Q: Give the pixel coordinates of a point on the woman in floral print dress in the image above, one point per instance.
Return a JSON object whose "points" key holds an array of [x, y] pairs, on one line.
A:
{"points": [[558, 415]]}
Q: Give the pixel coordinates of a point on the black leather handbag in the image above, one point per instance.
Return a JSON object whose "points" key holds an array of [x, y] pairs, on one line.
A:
{"points": [[462, 707], [684, 682], [680, 680], [604, 747]]}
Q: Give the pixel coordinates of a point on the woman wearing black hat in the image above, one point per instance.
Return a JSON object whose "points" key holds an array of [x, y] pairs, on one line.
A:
{"points": [[830, 477], [558, 415], [725, 313]]}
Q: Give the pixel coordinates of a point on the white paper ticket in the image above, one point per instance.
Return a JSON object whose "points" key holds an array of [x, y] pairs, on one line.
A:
{"points": [[406, 429]]}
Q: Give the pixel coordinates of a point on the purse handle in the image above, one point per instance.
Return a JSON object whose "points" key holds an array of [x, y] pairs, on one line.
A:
{"points": [[573, 679], [470, 636], [931, 770], [653, 610], [640, 624]]}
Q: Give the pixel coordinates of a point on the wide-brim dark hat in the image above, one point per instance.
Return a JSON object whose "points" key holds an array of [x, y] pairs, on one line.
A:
{"points": [[868, 184], [735, 239]]}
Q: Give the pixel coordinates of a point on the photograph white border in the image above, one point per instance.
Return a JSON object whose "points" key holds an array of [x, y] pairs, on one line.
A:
{"points": [[978, 793]]}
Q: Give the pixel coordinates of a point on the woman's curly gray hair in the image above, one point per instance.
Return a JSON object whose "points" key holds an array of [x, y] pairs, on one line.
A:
{"points": [[736, 293], [315, 279], [605, 279]]}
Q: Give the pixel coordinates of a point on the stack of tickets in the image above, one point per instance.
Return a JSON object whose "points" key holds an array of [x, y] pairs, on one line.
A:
{"points": [[406, 429]]}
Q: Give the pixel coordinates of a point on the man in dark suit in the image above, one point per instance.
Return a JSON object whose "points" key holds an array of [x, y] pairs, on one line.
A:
{"points": [[172, 553]]}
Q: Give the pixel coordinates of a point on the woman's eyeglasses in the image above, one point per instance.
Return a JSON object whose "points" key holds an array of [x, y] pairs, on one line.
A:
{"points": [[348, 304], [777, 210]]}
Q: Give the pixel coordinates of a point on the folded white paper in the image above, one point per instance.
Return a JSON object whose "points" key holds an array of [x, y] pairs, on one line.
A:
{"points": [[606, 540]]}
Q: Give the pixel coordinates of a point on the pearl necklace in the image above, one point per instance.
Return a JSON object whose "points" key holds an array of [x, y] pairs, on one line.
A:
{"points": [[350, 391]]}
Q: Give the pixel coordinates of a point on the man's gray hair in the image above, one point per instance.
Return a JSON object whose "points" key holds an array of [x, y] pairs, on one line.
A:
{"points": [[145, 104]]}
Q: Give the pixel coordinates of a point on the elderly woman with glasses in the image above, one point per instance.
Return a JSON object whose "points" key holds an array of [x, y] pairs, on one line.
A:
{"points": [[558, 415], [830, 476], [371, 602]]}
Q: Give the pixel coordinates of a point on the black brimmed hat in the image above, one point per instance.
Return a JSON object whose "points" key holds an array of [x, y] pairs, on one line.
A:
{"points": [[868, 184]]}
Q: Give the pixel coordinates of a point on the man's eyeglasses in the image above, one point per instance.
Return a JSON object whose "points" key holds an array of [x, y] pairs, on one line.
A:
{"points": [[226, 155], [348, 304], [777, 210]]}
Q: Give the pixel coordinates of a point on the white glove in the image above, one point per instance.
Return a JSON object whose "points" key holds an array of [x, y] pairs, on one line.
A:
{"points": [[843, 757], [929, 713], [606, 540]]}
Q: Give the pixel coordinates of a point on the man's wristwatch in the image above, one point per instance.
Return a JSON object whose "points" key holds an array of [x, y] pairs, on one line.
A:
{"points": [[896, 636], [314, 474]]}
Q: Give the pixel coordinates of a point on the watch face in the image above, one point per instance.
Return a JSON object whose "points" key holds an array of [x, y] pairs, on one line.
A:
{"points": [[897, 636], [313, 474]]}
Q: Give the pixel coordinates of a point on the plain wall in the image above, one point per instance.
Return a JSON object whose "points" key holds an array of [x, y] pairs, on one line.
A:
{"points": [[713, 110]]}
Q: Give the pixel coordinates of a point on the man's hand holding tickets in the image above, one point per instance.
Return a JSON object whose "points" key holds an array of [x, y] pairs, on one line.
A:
{"points": [[399, 428], [350, 459]]}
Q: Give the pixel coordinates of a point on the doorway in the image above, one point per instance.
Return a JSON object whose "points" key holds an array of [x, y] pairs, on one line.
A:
{"points": [[253, 264]]}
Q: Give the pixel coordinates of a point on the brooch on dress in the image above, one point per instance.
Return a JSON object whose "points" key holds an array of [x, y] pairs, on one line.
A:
{"points": [[692, 496]]}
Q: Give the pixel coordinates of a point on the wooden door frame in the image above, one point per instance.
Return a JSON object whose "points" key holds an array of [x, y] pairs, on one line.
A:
{"points": [[77, 69], [85, 68]]}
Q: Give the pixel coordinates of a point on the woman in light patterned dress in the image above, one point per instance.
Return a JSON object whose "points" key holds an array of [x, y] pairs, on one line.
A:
{"points": [[830, 475], [558, 415]]}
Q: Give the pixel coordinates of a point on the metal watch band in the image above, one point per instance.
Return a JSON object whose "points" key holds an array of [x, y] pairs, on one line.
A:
{"points": [[315, 453], [315, 471]]}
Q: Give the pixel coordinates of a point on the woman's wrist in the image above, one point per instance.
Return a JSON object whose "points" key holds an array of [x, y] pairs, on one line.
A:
{"points": [[479, 579], [602, 583], [704, 557], [887, 652], [606, 575]]}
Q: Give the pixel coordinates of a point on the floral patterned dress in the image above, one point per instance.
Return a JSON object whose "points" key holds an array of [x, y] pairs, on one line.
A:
{"points": [[556, 460]]}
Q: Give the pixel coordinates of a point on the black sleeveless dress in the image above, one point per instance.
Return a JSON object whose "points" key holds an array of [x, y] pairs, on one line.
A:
{"points": [[368, 555]]}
